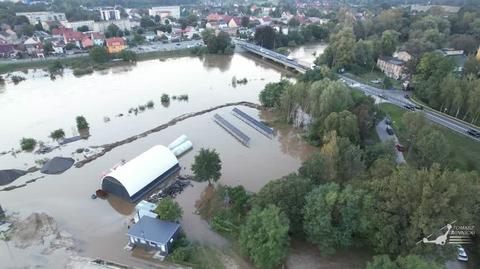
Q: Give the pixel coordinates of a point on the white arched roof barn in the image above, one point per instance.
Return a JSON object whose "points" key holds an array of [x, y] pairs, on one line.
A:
{"points": [[139, 176]]}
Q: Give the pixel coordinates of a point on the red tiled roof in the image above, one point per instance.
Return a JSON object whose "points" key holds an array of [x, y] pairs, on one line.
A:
{"points": [[213, 17], [61, 31], [115, 41], [73, 36]]}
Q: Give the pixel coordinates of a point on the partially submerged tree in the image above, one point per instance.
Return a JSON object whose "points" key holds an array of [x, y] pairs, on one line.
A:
{"points": [[207, 166], [169, 210]]}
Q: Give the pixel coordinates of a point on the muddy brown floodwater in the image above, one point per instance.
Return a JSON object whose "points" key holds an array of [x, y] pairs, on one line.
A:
{"points": [[39, 105]]}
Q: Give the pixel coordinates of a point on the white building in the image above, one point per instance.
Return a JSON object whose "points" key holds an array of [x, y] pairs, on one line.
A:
{"points": [[101, 26], [42, 16], [165, 11], [76, 24], [109, 13]]}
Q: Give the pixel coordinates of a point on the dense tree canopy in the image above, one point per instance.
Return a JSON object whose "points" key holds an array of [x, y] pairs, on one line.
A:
{"points": [[207, 165]]}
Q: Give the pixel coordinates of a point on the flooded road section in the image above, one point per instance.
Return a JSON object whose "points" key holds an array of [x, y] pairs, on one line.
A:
{"points": [[100, 226], [39, 105]]}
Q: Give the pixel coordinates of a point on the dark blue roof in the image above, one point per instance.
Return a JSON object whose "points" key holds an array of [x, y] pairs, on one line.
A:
{"points": [[154, 230]]}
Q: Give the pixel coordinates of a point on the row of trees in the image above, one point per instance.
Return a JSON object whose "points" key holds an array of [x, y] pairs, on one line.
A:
{"points": [[217, 44], [440, 87], [268, 37]]}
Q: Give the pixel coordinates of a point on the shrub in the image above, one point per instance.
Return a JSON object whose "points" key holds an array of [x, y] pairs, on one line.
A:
{"points": [[150, 104], [82, 123], [28, 143], [57, 134], [183, 97], [17, 79], [82, 71], [165, 98]]}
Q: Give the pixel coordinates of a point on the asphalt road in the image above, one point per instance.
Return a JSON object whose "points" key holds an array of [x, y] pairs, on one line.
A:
{"points": [[384, 136], [397, 98]]}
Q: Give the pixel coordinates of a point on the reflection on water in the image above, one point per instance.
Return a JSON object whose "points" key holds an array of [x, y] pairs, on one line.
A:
{"points": [[308, 53], [121, 206], [214, 61]]}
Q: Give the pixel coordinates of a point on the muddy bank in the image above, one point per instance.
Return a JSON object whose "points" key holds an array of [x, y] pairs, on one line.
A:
{"points": [[108, 147]]}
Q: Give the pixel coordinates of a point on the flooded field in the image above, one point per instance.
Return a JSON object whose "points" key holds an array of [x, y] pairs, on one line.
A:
{"points": [[98, 228], [308, 53]]}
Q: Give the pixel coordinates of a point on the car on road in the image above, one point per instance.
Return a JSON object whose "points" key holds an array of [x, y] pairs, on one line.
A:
{"points": [[473, 133], [400, 147], [461, 254], [407, 96], [388, 121], [178, 44], [375, 81], [389, 130], [409, 107], [382, 96], [419, 107]]}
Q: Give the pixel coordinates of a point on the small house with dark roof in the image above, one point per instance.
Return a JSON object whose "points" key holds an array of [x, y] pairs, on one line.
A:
{"points": [[391, 67], [154, 234]]}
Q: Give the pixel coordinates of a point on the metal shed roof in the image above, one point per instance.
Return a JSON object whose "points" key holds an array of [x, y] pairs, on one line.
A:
{"points": [[154, 230], [145, 168]]}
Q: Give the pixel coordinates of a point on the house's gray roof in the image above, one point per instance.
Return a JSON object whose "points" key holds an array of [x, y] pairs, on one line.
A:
{"points": [[154, 230]]}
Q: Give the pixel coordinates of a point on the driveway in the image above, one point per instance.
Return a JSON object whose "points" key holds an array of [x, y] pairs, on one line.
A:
{"points": [[384, 136]]}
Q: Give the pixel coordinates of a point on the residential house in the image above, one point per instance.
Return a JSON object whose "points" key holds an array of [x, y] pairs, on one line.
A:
{"points": [[425, 8], [149, 36], [8, 36], [235, 22], [7, 50], [34, 46], [73, 37], [77, 24], [115, 44], [109, 13], [154, 234], [213, 17], [87, 42], [403, 55], [144, 208], [391, 67], [97, 38], [58, 47], [59, 32], [267, 20]]}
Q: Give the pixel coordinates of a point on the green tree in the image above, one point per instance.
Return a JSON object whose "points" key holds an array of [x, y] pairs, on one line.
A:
{"points": [[343, 160], [128, 56], [264, 236], [288, 194], [265, 37], [332, 216], [169, 210], [113, 30], [99, 54], [217, 44], [83, 28], [344, 123], [340, 52], [28, 144], [270, 95], [207, 166], [57, 134], [146, 22], [314, 168], [389, 42], [431, 147], [81, 123]]}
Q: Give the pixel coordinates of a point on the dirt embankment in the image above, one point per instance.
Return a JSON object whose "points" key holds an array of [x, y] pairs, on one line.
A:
{"points": [[108, 147], [40, 229]]}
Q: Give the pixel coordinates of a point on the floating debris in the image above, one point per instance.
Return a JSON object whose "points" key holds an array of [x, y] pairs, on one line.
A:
{"points": [[57, 165]]}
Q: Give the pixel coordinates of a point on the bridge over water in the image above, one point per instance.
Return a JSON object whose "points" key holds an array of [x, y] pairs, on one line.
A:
{"points": [[272, 55]]}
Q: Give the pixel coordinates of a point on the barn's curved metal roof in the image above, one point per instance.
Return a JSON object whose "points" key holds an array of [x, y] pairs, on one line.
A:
{"points": [[144, 169]]}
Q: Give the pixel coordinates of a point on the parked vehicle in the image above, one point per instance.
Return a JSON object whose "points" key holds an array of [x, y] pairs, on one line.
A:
{"points": [[388, 121], [382, 96], [473, 133], [409, 107], [400, 147], [389, 130], [419, 107], [407, 96], [461, 254]]}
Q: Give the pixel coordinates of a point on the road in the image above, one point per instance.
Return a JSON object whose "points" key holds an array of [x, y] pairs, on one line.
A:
{"points": [[384, 136], [397, 98]]}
